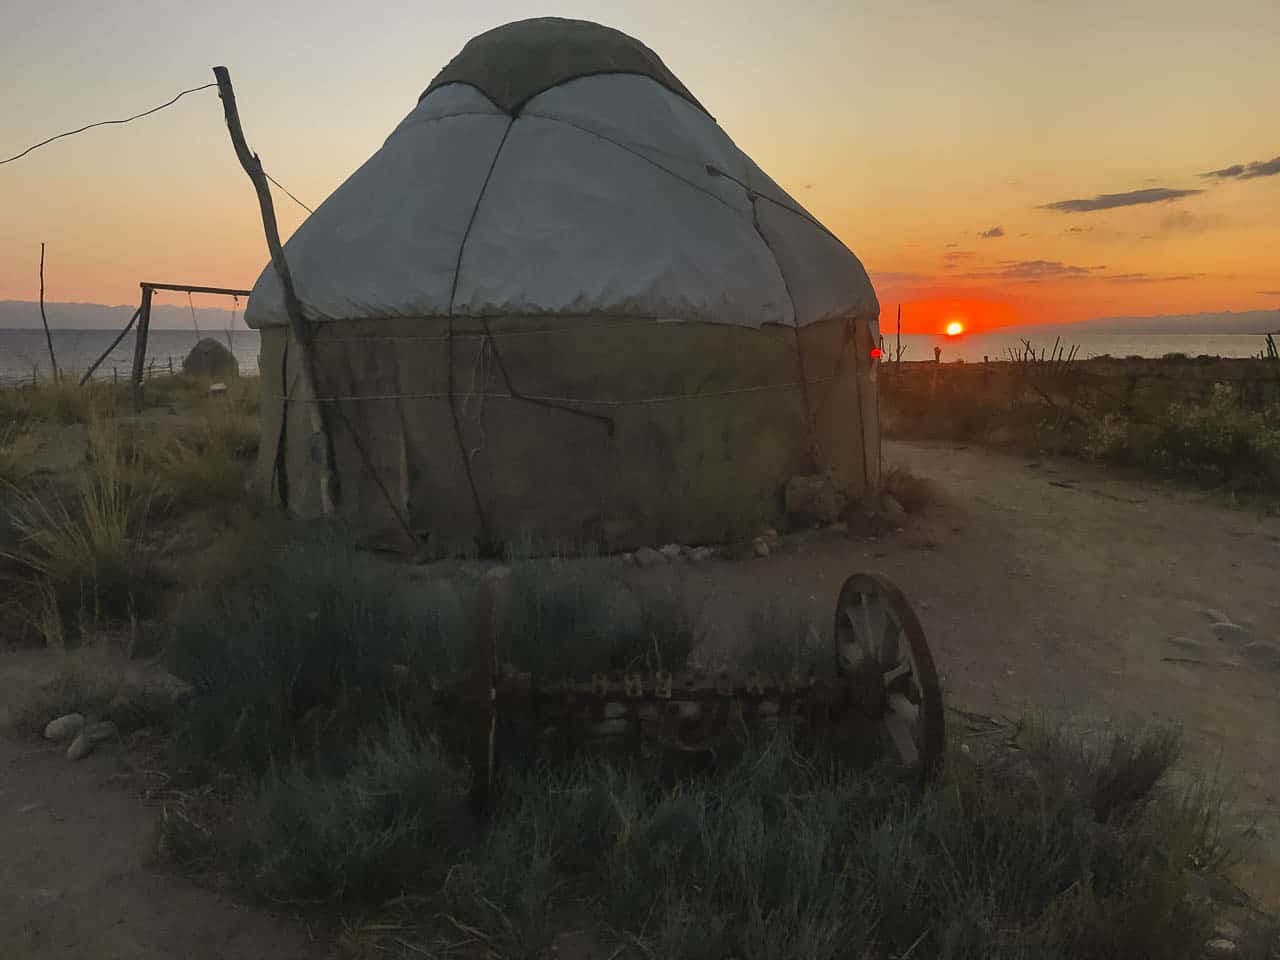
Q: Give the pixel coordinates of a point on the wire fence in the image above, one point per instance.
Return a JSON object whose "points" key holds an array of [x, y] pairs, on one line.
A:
{"points": [[156, 368]]}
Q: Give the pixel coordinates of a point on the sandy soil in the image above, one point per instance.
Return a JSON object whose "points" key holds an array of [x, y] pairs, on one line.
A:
{"points": [[1041, 586], [75, 878]]}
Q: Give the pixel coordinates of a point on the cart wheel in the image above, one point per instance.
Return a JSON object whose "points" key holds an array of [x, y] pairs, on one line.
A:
{"points": [[878, 638]]}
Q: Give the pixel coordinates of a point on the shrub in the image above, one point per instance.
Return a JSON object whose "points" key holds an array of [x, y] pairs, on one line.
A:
{"points": [[1216, 444], [573, 619], [779, 857], [82, 566], [298, 652], [390, 823]]}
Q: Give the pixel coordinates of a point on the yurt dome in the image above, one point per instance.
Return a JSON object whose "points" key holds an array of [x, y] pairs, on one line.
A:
{"points": [[559, 302]]}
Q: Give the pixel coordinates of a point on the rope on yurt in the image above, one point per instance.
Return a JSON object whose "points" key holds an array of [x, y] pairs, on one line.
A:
{"points": [[814, 450], [481, 516], [637, 401]]}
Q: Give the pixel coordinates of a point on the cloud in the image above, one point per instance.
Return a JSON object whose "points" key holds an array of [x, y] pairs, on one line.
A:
{"points": [[1270, 293], [992, 233], [1108, 201], [1186, 222], [1078, 229], [953, 244], [955, 256], [1034, 270], [1246, 171]]}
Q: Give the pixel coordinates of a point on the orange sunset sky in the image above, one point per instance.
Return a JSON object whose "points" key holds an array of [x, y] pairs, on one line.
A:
{"points": [[1017, 160]]}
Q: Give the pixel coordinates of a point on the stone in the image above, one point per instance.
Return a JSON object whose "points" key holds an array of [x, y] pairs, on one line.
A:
{"points": [[760, 546], [1230, 632], [209, 358], [768, 534], [814, 499], [90, 737], [64, 727], [891, 506], [1185, 644], [649, 557], [671, 551], [1215, 616], [217, 389], [1220, 949], [701, 554]]}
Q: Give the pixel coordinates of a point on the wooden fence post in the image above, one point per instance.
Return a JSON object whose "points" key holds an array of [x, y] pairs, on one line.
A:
{"points": [[140, 347], [322, 440]]}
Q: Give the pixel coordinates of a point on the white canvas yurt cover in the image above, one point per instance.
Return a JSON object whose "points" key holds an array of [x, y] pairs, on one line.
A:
{"points": [[560, 303]]}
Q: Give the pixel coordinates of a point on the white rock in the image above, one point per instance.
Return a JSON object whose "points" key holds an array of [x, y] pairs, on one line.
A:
{"points": [[761, 546], [649, 557], [701, 554], [672, 551], [768, 534], [90, 737], [64, 728], [217, 389], [1220, 949]]}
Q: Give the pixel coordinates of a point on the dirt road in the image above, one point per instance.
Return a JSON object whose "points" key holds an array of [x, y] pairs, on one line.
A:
{"points": [[75, 881]]}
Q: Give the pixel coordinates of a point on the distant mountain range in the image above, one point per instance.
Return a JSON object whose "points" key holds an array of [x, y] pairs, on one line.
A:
{"points": [[25, 314], [1245, 322]]}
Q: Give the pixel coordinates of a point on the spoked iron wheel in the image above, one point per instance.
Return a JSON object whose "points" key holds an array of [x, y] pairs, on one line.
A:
{"points": [[880, 645]]}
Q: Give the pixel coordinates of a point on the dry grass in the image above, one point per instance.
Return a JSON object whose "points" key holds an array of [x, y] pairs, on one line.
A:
{"points": [[79, 564]]}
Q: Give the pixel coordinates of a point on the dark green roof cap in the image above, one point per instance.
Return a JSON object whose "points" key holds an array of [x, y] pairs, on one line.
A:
{"points": [[514, 63]]}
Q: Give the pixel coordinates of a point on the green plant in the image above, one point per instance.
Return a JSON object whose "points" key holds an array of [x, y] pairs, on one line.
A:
{"points": [[390, 823], [1216, 443], [573, 619], [82, 566], [293, 657]]}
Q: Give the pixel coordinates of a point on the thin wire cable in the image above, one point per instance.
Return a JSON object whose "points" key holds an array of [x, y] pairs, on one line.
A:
{"points": [[103, 123], [287, 193]]}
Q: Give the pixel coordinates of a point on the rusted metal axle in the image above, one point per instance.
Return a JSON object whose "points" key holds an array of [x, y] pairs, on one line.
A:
{"points": [[884, 685]]}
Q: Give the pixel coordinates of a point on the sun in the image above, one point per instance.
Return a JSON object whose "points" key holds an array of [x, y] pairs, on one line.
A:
{"points": [[955, 328]]}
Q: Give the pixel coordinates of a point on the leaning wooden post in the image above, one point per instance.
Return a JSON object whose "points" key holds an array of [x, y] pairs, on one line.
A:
{"points": [[53, 361], [322, 442], [140, 348]]}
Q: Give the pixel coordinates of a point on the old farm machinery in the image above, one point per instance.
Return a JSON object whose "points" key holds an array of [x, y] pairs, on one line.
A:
{"points": [[880, 700]]}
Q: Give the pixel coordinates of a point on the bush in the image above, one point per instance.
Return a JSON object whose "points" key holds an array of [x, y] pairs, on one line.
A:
{"points": [[388, 825], [298, 653], [1215, 444], [81, 567], [779, 857], [572, 619]]}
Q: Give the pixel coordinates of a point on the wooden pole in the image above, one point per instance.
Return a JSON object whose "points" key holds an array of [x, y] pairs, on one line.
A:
{"points": [[898, 355], [140, 348], [53, 361], [107, 352], [322, 442]]}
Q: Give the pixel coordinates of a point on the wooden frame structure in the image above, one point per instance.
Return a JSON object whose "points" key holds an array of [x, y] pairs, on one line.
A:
{"points": [[142, 317]]}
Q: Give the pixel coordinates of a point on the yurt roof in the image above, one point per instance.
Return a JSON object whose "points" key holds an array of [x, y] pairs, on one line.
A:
{"points": [[514, 63], [578, 177]]}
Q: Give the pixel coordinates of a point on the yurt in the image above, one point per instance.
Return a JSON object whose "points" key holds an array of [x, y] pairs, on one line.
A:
{"points": [[559, 305]]}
